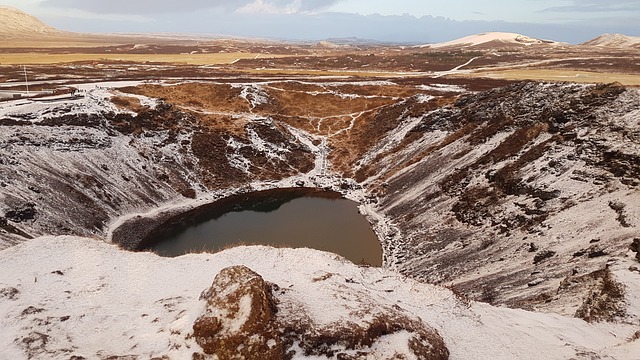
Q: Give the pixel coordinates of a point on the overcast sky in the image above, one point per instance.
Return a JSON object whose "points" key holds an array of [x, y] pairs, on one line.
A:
{"points": [[417, 21]]}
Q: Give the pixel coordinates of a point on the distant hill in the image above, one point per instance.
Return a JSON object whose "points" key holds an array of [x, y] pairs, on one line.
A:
{"points": [[615, 41], [491, 40], [15, 23], [332, 45], [19, 29]]}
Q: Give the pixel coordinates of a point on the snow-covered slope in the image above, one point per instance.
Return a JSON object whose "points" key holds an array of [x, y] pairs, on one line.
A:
{"points": [[68, 297], [490, 39], [511, 194], [615, 40], [88, 163], [16, 23]]}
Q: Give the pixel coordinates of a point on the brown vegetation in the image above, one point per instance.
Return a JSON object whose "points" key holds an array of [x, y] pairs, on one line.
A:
{"points": [[127, 103], [221, 98]]}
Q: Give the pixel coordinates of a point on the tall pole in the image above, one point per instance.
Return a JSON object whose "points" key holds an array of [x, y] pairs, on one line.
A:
{"points": [[25, 78]]}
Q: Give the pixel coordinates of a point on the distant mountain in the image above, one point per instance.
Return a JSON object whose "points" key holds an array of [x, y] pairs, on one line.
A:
{"points": [[15, 24], [491, 40], [615, 41]]}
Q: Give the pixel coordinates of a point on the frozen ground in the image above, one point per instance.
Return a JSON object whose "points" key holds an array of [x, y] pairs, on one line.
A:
{"points": [[66, 296]]}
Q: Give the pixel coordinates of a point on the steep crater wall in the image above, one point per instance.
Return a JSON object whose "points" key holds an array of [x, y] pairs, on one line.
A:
{"points": [[508, 192], [74, 169]]}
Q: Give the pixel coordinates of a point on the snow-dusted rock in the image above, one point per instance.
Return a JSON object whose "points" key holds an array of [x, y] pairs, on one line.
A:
{"points": [[246, 317], [239, 317]]}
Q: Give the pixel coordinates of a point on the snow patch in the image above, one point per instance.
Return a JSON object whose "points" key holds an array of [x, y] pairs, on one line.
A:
{"points": [[483, 38], [253, 94], [443, 87]]}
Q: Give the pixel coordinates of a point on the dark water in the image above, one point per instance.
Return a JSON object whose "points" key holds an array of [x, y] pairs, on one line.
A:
{"points": [[317, 220]]}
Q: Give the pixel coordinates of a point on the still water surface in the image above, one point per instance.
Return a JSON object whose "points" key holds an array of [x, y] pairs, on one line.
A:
{"points": [[329, 224]]}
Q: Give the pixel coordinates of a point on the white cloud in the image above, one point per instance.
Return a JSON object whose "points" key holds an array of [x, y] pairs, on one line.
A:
{"points": [[142, 7], [266, 7], [599, 6]]}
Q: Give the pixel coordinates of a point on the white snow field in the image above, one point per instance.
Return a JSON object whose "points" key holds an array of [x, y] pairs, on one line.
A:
{"points": [[67, 296]]}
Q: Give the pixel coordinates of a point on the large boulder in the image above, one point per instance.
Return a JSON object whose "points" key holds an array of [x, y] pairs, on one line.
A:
{"points": [[238, 320], [244, 319]]}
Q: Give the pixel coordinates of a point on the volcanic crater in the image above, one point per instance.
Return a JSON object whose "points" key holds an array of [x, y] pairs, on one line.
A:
{"points": [[521, 194]]}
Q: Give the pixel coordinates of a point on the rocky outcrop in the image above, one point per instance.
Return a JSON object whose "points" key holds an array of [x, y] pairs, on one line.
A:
{"points": [[239, 320], [605, 299], [635, 247], [245, 318]]}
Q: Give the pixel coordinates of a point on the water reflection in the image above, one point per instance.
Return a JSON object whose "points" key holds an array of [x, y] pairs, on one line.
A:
{"points": [[289, 219]]}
